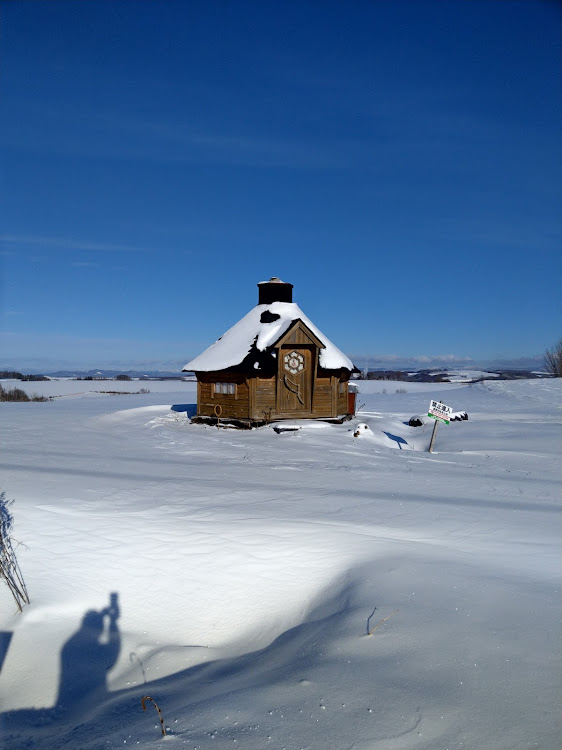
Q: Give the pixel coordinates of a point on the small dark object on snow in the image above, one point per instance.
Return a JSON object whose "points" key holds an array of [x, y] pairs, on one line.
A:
{"points": [[458, 416]]}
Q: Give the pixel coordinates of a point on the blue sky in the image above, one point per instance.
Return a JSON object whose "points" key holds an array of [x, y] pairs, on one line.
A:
{"points": [[398, 162]]}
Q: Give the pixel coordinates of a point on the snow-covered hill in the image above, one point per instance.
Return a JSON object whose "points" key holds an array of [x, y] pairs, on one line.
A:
{"points": [[250, 566]]}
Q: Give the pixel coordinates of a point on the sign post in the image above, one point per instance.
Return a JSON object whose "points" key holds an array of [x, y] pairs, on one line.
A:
{"points": [[440, 413]]}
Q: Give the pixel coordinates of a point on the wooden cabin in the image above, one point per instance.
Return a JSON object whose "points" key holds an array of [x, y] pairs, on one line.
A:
{"points": [[273, 364]]}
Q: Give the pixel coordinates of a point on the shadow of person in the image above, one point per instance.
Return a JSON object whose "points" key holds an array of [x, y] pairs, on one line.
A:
{"points": [[205, 682], [86, 658]]}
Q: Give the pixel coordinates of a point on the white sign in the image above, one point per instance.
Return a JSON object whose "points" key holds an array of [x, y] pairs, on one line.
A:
{"points": [[439, 411]]}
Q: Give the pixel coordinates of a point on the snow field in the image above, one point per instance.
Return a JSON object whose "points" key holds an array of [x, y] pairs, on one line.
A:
{"points": [[247, 564]]}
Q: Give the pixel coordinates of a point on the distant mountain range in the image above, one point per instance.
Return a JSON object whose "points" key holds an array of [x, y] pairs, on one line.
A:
{"points": [[451, 375], [409, 375], [19, 374], [114, 374]]}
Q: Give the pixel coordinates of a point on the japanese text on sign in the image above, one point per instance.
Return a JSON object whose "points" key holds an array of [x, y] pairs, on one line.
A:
{"points": [[439, 411]]}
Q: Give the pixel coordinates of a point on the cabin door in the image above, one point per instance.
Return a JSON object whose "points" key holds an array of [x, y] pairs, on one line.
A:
{"points": [[294, 386]]}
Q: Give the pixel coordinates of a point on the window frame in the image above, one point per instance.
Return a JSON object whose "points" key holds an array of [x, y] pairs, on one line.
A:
{"points": [[225, 388]]}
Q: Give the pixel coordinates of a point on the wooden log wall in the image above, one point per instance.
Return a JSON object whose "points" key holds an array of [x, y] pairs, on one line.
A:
{"points": [[235, 405], [255, 398], [264, 398], [322, 399]]}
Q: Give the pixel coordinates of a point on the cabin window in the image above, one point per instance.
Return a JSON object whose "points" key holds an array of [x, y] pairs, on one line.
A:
{"points": [[343, 387], [228, 389]]}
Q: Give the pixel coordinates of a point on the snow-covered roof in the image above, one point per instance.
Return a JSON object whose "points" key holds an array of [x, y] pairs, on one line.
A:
{"points": [[237, 342]]}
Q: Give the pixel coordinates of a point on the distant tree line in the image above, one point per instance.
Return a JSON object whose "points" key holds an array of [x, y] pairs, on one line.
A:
{"points": [[12, 375], [92, 377], [383, 375], [423, 376]]}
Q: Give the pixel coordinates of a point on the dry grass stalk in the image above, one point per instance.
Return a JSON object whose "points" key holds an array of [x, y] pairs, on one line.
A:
{"points": [[148, 698], [10, 571], [383, 620]]}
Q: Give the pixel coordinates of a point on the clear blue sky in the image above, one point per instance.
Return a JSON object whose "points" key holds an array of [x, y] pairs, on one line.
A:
{"points": [[398, 162]]}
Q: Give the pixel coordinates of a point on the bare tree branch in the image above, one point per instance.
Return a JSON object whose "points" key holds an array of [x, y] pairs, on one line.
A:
{"points": [[553, 360]]}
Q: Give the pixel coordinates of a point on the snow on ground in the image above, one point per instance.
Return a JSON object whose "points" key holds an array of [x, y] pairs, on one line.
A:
{"points": [[249, 567], [69, 387]]}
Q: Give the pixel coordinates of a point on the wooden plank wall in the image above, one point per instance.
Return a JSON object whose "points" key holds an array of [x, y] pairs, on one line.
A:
{"points": [[342, 398], [236, 406], [326, 399], [296, 337], [322, 399], [264, 397], [256, 398]]}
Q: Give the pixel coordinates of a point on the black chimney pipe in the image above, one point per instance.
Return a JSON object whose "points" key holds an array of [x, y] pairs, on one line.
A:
{"points": [[274, 290]]}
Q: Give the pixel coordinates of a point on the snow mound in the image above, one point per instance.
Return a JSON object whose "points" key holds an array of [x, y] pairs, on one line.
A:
{"points": [[362, 429]]}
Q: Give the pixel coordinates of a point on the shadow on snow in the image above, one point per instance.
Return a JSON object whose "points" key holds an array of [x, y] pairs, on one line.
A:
{"points": [[190, 409], [85, 710]]}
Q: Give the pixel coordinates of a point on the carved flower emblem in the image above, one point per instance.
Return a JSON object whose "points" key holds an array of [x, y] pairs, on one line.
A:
{"points": [[294, 362]]}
